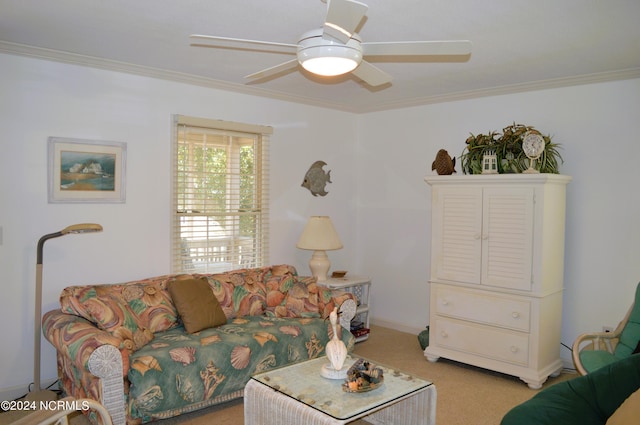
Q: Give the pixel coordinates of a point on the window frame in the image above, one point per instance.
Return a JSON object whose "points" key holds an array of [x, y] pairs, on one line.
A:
{"points": [[237, 250]]}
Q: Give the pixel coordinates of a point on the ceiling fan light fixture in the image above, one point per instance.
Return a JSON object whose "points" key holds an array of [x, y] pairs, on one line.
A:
{"points": [[329, 66], [326, 57]]}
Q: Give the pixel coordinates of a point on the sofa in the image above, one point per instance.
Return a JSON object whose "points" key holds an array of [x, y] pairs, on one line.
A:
{"points": [[609, 395], [159, 347]]}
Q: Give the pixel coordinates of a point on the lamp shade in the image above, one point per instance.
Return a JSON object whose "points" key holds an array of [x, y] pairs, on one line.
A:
{"points": [[319, 234]]}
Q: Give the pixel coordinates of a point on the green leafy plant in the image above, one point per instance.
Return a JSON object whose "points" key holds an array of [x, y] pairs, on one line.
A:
{"points": [[508, 149]]}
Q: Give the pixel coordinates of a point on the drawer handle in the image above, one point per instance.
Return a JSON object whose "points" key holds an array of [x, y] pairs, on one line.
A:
{"points": [[445, 302], [477, 236], [444, 334], [514, 349], [515, 314]]}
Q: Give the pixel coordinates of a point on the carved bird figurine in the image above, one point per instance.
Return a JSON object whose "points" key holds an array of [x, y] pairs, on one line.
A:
{"points": [[336, 350]]}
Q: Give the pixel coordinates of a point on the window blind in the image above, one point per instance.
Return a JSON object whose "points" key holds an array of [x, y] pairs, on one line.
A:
{"points": [[220, 195]]}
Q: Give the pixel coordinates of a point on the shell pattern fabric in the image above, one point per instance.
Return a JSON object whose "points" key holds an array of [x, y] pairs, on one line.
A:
{"points": [[131, 311], [244, 292], [274, 318], [185, 372]]}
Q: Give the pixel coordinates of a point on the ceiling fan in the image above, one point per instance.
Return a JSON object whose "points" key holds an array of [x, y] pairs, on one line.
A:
{"points": [[336, 49]]}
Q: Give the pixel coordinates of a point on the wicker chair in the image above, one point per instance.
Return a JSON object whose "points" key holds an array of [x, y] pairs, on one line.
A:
{"points": [[592, 351]]}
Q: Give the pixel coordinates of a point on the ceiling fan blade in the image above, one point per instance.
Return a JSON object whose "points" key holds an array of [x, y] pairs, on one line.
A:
{"points": [[417, 48], [371, 75], [269, 72], [343, 17], [241, 44]]}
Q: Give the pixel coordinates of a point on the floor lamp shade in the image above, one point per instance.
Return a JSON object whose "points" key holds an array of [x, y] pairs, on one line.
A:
{"points": [[319, 236], [37, 393]]}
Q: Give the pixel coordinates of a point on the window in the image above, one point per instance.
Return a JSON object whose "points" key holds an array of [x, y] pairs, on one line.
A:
{"points": [[220, 196]]}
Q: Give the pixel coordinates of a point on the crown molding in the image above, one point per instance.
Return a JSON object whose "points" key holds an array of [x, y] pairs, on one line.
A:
{"points": [[111, 65], [578, 80], [145, 71]]}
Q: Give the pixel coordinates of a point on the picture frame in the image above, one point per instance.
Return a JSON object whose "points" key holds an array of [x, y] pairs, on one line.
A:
{"points": [[86, 171]]}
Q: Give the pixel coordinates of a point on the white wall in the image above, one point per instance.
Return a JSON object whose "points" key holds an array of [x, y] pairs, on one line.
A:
{"points": [[378, 199], [598, 127], [39, 99]]}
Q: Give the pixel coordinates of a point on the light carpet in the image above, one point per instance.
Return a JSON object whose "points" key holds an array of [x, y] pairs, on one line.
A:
{"points": [[466, 395]]}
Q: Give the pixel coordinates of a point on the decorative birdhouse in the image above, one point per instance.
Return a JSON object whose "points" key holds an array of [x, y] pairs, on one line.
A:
{"points": [[489, 163]]}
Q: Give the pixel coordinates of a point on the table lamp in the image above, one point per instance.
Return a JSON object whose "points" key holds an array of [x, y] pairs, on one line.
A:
{"points": [[38, 393], [319, 235]]}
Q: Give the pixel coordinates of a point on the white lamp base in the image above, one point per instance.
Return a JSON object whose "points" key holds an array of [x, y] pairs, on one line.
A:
{"points": [[319, 265]]}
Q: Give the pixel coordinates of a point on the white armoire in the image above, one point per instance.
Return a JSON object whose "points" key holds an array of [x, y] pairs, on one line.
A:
{"points": [[497, 265]]}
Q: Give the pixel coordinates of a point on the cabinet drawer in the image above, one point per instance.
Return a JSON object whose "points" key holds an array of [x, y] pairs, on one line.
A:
{"points": [[481, 307], [494, 343]]}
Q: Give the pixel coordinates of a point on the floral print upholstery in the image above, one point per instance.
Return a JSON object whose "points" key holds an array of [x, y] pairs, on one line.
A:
{"points": [[180, 372], [130, 311], [242, 292], [274, 317]]}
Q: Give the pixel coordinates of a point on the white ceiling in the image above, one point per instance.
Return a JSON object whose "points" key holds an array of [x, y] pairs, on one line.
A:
{"points": [[517, 44]]}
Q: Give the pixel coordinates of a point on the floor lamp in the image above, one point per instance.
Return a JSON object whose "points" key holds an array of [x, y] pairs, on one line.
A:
{"points": [[37, 393]]}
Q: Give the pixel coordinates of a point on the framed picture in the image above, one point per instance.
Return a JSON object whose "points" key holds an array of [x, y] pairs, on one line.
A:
{"points": [[86, 170]]}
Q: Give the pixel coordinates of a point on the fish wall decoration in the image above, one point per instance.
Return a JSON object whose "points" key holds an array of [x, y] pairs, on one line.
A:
{"points": [[316, 179]]}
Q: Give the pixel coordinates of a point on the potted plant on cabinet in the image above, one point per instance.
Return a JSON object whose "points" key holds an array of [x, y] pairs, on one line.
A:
{"points": [[508, 149]]}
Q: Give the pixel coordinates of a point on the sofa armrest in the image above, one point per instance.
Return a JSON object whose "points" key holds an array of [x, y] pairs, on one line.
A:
{"points": [[76, 337], [91, 362]]}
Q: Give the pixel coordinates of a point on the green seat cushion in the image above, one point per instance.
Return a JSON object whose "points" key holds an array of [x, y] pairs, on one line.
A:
{"points": [[585, 400], [631, 332], [592, 360]]}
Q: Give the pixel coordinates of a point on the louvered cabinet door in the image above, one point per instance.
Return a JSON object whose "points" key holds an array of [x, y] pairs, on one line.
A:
{"points": [[507, 237], [456, 241], [483, 236]]}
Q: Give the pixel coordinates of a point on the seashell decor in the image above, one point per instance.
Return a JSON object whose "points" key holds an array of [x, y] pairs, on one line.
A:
{"points": [[363, 376]]}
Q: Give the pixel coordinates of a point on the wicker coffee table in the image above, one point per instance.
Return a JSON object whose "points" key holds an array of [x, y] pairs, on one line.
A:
{"points": [[298, 394]]}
